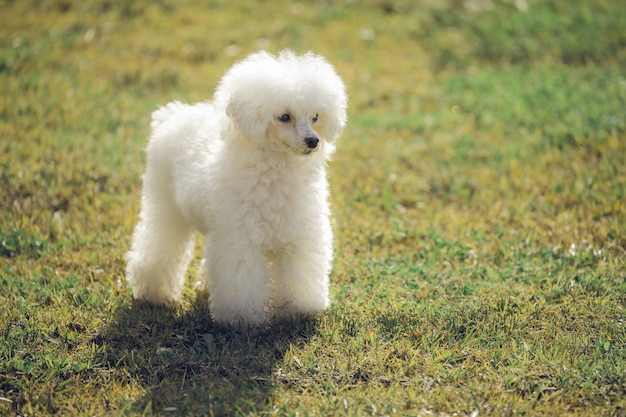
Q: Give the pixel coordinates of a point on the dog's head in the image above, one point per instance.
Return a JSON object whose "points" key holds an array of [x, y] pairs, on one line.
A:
{"points": [[296, 103]]}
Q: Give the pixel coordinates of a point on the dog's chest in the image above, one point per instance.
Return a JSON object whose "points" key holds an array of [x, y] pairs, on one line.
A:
{"points": [[277, 205]]}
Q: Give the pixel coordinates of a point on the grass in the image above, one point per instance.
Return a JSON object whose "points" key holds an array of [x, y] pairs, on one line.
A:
{"points": [[478, 197]]}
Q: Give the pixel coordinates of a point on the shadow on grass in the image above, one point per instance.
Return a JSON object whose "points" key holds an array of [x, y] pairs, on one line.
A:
{"points": [[189, 365]]}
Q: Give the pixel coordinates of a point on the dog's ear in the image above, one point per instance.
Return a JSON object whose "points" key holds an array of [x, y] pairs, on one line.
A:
{"points": [[333, 118], [246, 116], [333, 126]]}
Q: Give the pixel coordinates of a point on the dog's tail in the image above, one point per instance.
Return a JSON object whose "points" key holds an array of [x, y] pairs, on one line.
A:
{"points": [[163, 113]]}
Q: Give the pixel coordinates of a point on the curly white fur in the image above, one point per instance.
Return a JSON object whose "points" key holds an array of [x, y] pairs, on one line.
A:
{"points": [[248, 170]]}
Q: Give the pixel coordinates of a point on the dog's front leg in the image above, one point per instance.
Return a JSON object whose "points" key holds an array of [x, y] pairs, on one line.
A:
{"points": [[238, 282], [301, 281]]}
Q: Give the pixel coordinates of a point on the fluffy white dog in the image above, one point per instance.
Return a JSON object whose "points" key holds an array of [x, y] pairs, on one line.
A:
{"points": [[248, 171]]}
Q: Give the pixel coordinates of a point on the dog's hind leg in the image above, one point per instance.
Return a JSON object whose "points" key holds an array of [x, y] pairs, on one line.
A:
{"points": [[161, 250]]}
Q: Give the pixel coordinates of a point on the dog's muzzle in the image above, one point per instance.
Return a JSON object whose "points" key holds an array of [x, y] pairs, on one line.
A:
{"points": [[311, 142]]}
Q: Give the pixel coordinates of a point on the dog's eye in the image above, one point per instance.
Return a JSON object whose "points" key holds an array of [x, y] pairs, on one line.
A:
{"points": [[315, 119], [284, 118]]}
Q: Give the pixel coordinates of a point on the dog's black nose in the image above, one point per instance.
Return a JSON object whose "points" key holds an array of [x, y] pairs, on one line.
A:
{"points": [[311, 142]]}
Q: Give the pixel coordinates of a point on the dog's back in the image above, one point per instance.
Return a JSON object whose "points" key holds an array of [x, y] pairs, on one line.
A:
{"points": [[163, 113]]}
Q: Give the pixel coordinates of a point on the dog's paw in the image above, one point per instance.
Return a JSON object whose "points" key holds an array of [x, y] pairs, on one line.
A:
{"points": [[310, 307], [157, 296]]}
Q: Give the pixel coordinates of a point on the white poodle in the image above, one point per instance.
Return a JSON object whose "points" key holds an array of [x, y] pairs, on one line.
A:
{"points": [[248, 171]]}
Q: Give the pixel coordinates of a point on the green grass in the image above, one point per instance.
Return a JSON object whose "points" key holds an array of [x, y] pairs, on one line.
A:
{"points": [[478, 201]]}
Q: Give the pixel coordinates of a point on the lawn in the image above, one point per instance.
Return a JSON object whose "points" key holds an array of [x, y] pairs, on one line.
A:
{"points": [[478, 195]]}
